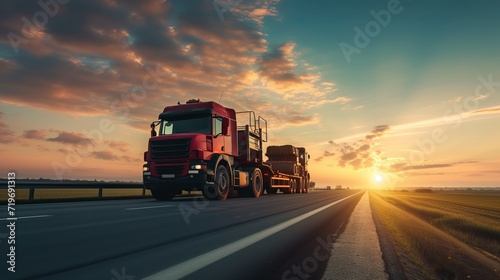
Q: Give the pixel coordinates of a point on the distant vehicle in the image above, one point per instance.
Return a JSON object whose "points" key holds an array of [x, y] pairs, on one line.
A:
{"points": [[328, 187], [204, 146]]}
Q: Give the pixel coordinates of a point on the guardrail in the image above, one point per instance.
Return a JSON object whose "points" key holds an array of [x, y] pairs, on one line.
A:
{"points": [[72, 185]]}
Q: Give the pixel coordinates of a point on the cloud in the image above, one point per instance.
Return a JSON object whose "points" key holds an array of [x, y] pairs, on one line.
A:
{"points": [[328, 154], [279, 66], [359, 154], [426, 173], [6, 134], [118, 145], [356, 164], [365, 147], [64, 151], [130, 159], [71, 138], [400, 167], [349, 156], [378, 131], [427, 166], [102, 52], [108, 155], [35, 134], [491, 110], [105, 155]]}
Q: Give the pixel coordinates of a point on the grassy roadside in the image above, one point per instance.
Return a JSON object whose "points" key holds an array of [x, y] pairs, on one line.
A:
{"points": [[472, 218], [424, 251]]}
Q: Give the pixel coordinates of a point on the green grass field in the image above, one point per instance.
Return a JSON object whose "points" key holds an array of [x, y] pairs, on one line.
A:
{"points": [[423, 228]]}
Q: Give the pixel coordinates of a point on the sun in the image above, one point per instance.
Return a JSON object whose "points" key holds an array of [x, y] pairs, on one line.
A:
{"points": [[378, 177]]}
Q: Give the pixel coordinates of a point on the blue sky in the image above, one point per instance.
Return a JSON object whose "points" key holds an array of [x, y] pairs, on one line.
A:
{"points": [[422, 73]]}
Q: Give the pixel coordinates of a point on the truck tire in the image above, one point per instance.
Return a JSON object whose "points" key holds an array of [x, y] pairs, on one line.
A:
{"points": [[163, 194], [299, 185], [221, 186], [304, 186], [293, 186], [257, 183], [289, 189]]}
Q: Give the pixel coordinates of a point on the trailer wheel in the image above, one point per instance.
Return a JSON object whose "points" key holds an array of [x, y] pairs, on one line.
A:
{"points": [[294, 186], [298, 187], [163, 194], [291, 187], [221, 186], [257, 183], [303, 185]]}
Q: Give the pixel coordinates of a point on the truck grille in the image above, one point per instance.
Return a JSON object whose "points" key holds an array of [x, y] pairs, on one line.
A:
{"points": [[171, 169], [171, 148]]}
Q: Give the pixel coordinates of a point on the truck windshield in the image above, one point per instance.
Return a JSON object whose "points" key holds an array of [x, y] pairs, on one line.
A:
{"points": [[191, 125]]}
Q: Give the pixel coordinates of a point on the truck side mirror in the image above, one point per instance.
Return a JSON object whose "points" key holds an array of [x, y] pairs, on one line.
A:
{"points": [[153, 126]]}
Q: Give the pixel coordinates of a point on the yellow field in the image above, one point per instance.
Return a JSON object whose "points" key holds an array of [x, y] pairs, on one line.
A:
{"points": [[430, 232]]}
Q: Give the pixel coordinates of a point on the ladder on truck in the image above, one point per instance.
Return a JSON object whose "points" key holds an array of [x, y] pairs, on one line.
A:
{"points": [[252, 132]]}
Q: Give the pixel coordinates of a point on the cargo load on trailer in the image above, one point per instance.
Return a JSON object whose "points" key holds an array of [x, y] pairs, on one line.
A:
{"points": [[291, 162]]}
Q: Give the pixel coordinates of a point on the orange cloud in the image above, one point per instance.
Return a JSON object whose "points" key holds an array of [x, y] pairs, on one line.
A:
{"points": [[6, 134]]}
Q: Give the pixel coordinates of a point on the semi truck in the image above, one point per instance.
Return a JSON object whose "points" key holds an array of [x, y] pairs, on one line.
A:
{"points": [[207, 147]]}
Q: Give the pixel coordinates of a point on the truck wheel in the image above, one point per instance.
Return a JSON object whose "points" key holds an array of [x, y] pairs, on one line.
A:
{"points": [[163, 194], [257, 183], [291, 188], [298, 187], [303, 187], [221, 186], [294, 186]]}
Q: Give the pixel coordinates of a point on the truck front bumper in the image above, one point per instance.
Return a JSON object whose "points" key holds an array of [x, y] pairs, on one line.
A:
{"points": [[190, 182]]}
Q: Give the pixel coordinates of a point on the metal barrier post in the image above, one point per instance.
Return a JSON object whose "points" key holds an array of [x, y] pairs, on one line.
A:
{"points": [[32, 193]]}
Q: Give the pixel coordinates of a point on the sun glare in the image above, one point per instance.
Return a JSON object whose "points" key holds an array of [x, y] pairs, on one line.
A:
{"points": [[378, 177]]}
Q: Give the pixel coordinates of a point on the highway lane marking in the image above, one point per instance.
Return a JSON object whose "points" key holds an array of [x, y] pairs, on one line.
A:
{"points": [[149, 207], [27, 217], [190, 266]]}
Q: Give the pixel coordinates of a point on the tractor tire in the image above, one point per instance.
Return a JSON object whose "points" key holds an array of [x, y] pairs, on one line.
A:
{"points": [[221, 186]]}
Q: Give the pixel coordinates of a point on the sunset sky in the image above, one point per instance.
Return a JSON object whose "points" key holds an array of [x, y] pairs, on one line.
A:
{"points": [[408, 90]]}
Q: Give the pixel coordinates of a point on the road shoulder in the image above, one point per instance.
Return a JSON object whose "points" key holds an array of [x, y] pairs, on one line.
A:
{"points": [[356, 253]]}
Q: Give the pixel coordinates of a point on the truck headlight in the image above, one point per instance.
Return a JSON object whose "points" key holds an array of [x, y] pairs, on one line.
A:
{"points": [[145, 168], [196, 166]]}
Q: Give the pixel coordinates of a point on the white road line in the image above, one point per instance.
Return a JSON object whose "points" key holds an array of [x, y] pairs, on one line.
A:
{"points": [[27, 217], [185, 268], [140, 208]]}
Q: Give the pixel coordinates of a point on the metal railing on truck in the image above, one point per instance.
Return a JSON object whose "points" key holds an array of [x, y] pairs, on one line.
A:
{"points": [[32, 185], [254, 124]]}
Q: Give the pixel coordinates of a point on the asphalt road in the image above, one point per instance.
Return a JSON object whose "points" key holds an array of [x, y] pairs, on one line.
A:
{"points": [[190, 238]]}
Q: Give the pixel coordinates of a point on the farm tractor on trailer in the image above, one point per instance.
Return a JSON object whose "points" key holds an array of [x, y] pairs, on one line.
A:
{"points": [[206, 146]]}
